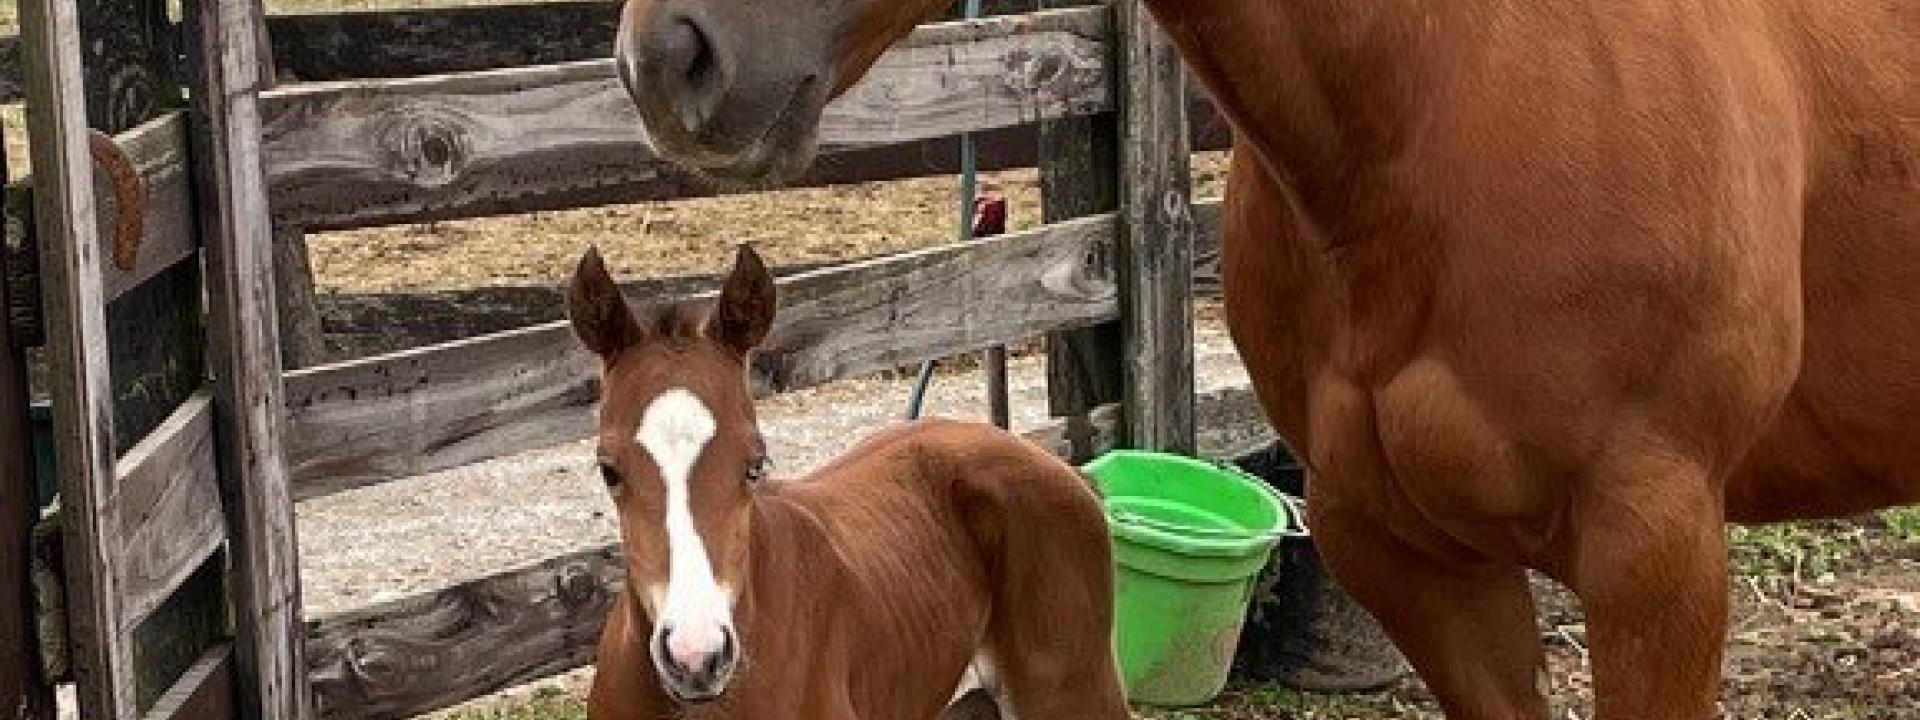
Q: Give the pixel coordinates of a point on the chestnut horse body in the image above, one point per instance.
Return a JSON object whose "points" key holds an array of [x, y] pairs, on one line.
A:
{"points": [[929, 553], [1548, 284]]}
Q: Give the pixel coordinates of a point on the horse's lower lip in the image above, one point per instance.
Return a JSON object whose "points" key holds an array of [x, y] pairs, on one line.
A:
{"points": [[692, 691], [691, 697], [753, 170]]}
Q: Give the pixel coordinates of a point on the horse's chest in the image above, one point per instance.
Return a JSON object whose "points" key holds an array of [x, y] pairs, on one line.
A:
{"points": [[1422, 453]]}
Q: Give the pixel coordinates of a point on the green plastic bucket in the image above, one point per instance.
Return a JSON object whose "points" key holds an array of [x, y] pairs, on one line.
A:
{"points": [[1190, 537]]}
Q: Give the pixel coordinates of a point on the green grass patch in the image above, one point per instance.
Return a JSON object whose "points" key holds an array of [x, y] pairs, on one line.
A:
{"points": [[1812, 548], [1808, 549], [1903, 523]]}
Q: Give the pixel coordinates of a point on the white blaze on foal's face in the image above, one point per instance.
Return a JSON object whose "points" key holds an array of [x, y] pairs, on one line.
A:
{"points": [[693, 623]]}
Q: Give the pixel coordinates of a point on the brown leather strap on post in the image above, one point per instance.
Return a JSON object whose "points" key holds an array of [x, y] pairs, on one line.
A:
{"points": [[129, 194]]}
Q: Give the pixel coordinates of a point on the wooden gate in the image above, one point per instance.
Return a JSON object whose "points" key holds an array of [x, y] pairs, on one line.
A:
{"points": [[182, 597]]}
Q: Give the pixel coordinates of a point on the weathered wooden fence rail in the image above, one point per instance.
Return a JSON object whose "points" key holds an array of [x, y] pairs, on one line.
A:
{"points": [[361, 153], [418, 87], [380, 323], [368, 421]]}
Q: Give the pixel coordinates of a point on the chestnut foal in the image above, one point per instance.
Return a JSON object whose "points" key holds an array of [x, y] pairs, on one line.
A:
{"points": [[931, 551]]}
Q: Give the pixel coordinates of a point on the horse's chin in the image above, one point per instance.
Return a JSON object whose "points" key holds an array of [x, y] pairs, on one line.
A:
{"points": [[784, 151], [757, 175], [692, 696]]}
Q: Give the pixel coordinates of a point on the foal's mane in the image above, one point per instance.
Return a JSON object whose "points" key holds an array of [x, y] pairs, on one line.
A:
{"points": [[674, 322]]}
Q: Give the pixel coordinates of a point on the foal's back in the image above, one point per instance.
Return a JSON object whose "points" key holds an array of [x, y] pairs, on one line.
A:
{"points": [[961, 542]]}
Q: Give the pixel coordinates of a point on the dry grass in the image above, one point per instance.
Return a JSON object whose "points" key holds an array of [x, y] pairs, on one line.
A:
{"points": [[674, 237]]}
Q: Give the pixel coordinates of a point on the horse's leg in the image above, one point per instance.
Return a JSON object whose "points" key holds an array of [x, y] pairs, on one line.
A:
{"points": [[1467, 627], [1651, 574]]}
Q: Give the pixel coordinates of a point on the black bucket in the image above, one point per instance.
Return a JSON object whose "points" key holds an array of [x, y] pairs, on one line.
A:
{"points": [[1307, 633]]}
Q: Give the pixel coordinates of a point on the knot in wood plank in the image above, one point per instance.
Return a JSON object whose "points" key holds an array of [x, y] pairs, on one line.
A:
{"points": [[578, 587], [1177, 211], [379, 667], [1034, 71], [1088, 277], [428, 144]]}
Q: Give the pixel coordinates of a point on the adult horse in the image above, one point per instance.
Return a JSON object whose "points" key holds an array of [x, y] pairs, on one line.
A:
{"points": [[931, 552], [1552, 284]]}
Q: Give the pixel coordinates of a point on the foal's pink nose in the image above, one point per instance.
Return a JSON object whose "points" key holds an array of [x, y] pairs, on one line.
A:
{"points": [[692, 647], [697, 659]]}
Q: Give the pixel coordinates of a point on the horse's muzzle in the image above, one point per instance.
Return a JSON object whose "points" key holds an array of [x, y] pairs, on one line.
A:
{"points": [[696, 666]]}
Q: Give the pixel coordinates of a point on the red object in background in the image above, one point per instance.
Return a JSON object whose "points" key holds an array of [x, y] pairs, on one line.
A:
{"points": [[989, 215]]}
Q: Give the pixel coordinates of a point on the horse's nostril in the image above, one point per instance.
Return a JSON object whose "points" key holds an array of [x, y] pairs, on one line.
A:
{"points": [[728, 648], [687, 52], [701, 65]]}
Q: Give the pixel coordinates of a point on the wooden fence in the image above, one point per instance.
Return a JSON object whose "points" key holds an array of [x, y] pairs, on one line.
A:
{"points": [[166, 479]]}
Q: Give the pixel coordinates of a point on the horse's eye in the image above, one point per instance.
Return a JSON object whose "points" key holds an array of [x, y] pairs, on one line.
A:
{"points": [[609, 474], [757, 470]]}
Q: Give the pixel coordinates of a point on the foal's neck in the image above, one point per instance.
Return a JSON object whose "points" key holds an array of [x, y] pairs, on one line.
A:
{"points": [[779, 534]]}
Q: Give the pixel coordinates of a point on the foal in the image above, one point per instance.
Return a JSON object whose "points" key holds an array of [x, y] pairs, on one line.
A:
{"points": [[864, 591]]}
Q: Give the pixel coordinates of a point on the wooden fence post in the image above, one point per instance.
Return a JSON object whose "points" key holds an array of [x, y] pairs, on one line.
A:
{"points": [[76, 324], [1155, 252], [24, 694], [303, 340], [270, 632], [1079, 157]]}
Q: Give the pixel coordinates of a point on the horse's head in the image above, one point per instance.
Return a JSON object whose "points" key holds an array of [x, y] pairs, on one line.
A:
{"points": [[734, 88], [681, 453]]}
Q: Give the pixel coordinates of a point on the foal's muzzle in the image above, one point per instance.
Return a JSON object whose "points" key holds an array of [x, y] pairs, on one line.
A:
{"points": [[695, 665]]}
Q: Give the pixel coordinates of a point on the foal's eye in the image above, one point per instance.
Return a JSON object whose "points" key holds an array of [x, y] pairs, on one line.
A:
{"points": [[609, 475], [757, 470]]}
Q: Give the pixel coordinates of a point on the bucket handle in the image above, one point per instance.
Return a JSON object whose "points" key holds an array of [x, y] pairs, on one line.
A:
{"points": [[1129, 518], [1296, 518], [1296, 508]]}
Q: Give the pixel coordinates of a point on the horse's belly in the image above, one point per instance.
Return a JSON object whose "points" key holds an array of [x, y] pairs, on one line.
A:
{"points": [[1848, 439], [1802, 469]]}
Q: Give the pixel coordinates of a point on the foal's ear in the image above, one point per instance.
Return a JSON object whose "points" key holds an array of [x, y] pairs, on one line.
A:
{"points": [[745, 311], [599, 314]]}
